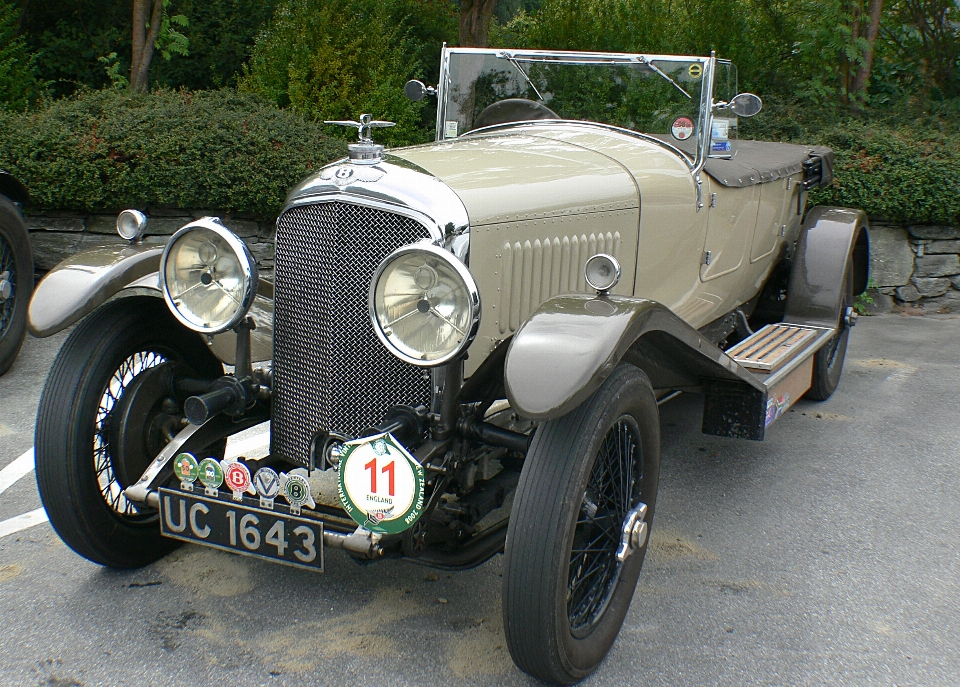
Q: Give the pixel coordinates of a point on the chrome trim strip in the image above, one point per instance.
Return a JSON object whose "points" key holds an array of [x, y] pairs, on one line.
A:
{"points": [[138, 492], [442, 85], [706, 115], [394, 185], [822, 338]]}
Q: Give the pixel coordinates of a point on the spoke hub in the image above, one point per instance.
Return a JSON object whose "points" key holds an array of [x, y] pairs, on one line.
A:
{"points": [[6, 287], [850, 317], [633, 535]]}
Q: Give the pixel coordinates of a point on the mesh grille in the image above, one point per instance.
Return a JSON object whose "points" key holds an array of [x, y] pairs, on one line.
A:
{"points": [[330, 370]]}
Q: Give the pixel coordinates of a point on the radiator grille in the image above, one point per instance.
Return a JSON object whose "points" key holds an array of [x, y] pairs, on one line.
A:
{"points": [[331, 373]]}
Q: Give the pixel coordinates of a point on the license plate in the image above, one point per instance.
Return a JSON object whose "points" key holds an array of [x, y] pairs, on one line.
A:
{"points": [[241, 529]]}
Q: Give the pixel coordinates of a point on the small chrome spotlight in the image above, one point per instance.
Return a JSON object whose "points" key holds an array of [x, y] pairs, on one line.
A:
{"points": [[602, 272], [131, 224]]}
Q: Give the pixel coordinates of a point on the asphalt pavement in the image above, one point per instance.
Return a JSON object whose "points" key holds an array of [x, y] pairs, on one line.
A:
{"points": [[826, 555]]}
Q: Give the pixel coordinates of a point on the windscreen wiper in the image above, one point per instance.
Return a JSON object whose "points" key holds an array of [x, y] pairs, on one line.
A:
{"points": [[503, 55], [642, 60]]}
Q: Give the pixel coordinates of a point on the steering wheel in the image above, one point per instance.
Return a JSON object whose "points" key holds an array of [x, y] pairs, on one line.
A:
{"points": [[513, 110]]}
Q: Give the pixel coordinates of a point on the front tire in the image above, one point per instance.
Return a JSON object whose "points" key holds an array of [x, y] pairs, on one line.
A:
{"points": [[565, 593], [81, 473], [16, 282]]}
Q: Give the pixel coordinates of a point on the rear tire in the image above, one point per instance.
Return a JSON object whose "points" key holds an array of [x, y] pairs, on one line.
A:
{"points": [[16, 282], [565, 594], [828, 361], [80, 474]]}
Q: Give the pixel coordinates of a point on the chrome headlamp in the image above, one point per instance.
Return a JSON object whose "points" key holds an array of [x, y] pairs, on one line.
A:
{"points": [[208, 277], [425, 305]]}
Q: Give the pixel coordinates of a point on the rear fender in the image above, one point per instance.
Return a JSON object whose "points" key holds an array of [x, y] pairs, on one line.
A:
{"points": [[829, 239], [572, 343]]}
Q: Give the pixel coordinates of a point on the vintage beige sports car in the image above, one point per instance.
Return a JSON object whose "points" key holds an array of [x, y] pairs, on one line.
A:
{"points": [[465, 344]]}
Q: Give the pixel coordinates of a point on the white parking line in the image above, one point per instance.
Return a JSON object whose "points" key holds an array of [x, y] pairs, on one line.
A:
{"points": [[235, 449], [24, 465], [22, 522], [17, 469]]}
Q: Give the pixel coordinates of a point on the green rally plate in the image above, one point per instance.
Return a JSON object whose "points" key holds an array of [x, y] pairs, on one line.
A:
{"points": [[381, 484], [231, 526]]}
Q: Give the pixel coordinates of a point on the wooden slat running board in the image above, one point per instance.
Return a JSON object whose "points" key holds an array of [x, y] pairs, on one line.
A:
{"points": [[773, 346]]}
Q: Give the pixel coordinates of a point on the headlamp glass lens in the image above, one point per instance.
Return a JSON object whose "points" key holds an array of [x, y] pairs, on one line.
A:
{"points": [[424, 307], [205, 280]]}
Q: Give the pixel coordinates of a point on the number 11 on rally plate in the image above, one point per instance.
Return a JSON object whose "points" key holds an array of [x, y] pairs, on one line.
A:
{"points": [[381, 484]]}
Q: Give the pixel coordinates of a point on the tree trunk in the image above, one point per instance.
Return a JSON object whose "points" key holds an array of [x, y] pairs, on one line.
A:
{"points": [[475, 18], [862, 79], [847, 75], [144, 41], [22, 18]]}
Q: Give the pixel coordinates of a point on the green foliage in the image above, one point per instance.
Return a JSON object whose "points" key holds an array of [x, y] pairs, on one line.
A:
{"points": [[111, 65], [170, 41], [17, 80], [745, 32], [864, 300], [793, 48], [105, 150], [901, 174], [334, 59], [70, 36]]}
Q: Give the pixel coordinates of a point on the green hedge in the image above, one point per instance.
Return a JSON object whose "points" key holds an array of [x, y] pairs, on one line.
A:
{"points": [[907, 175], [901, 167], [105, 150]]}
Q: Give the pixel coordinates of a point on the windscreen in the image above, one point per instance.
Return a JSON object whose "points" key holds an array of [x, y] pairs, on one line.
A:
{"points": [[648, 95]]}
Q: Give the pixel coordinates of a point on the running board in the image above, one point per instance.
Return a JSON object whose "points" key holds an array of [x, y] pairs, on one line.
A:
{"points": [[780, 356]]}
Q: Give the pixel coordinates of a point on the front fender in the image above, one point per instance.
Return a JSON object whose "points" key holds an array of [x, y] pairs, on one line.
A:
{"points": [[80, 284], [572, 343]]}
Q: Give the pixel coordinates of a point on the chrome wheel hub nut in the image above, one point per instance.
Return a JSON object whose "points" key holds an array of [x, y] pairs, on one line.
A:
{"points": [[633, 535]]}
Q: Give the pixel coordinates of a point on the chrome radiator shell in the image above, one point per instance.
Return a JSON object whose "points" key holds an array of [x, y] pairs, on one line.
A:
{"points": [[331, 373]]}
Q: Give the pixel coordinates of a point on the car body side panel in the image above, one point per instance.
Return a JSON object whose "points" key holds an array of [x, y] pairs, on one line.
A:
{"points": [[767, 234], [518, 265], [730, 226], [672, 231]]}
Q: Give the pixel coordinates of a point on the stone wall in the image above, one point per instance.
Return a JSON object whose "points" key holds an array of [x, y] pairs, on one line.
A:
{"points": [[910, 266], [915, 266], [58, 235]]}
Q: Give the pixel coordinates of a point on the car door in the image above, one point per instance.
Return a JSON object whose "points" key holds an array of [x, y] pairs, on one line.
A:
{"points": [[731, 223]]}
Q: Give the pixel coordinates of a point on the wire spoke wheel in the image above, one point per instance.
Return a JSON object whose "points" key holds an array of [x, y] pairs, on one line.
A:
{"points": [[612, 491], [110, 487], [8, 286], [101, 421], [16, 282], [577, 533]]}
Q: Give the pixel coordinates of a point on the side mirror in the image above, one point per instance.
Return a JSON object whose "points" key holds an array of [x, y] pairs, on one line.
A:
{"points": [[416, 90], [745, 105]]}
